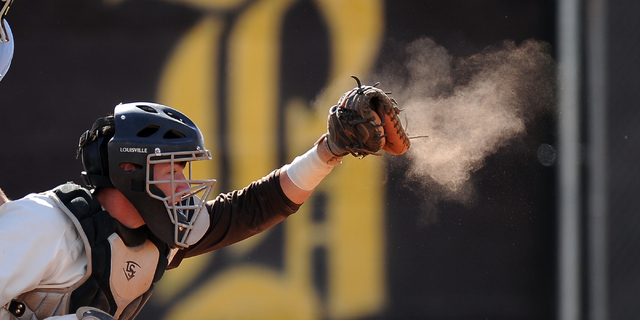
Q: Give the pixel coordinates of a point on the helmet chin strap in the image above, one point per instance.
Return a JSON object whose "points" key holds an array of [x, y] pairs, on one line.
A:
{"points": [[154, 214]]}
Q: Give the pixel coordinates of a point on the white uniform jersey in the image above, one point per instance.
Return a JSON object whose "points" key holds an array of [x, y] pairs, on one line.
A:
{"points": [[40, 248]]}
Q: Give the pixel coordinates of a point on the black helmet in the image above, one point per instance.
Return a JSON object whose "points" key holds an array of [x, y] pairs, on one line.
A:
{"points": [[146, 134]]}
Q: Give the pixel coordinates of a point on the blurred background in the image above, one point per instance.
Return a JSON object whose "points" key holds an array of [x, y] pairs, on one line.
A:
{"points": [[542, 225]]}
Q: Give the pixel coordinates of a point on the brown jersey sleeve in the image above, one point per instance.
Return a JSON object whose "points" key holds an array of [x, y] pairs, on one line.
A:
{"points": [[240, 214]]}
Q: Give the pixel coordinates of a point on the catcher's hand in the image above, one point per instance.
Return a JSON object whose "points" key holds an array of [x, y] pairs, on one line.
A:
{"points": [[364, 121]]}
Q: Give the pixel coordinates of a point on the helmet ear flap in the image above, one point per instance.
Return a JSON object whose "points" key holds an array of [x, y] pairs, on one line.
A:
{"points": [[93, 150]]}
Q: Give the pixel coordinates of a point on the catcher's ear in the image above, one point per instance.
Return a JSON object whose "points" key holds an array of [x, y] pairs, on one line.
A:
{"points": [[396, 144]]}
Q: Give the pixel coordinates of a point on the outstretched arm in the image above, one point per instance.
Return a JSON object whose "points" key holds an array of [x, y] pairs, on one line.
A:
{"points": [[240, 214]]}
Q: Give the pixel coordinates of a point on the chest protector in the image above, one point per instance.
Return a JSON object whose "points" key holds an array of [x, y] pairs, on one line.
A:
{"points": [[122, 264]]}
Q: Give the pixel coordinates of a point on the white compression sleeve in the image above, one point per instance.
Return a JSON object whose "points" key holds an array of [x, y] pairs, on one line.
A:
{"points": [[306, 171]]}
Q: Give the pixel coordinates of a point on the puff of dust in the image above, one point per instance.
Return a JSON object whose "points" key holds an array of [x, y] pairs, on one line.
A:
{"points": [[468, 107]]}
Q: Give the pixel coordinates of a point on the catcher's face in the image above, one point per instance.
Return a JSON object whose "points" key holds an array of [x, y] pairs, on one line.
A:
{"points": [[175, 173]]}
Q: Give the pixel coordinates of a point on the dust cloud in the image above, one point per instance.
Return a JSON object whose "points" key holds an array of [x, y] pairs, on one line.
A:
{"points": [[469, 107]]}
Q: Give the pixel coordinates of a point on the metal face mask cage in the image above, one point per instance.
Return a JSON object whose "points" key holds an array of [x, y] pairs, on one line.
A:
{"points": [[183, 213]]}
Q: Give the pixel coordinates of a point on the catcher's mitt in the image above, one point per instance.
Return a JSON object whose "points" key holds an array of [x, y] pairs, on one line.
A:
{"points": [[364, 121]]}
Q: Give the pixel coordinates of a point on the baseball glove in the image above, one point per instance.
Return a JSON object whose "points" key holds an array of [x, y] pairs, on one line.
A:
{"points": [[364, 121]]}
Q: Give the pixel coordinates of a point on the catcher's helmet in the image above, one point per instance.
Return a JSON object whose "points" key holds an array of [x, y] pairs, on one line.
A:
{"points": [[6, 39], [146, 134]]}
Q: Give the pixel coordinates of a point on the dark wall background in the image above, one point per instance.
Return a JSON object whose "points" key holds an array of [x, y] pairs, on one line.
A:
{"points": [[494, 259], [623, 145]]}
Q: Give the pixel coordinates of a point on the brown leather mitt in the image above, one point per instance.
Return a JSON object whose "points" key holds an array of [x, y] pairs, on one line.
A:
{"points": [[364, 121]]}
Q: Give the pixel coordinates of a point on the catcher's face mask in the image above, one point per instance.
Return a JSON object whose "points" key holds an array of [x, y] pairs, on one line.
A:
{"points": [[169, 180]]}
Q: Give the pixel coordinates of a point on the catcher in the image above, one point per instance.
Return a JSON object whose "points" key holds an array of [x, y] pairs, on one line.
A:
{"points": [[98, 250]]}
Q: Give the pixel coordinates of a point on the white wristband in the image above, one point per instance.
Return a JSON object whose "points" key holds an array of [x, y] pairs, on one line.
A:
{"points": [[306, 171]]}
